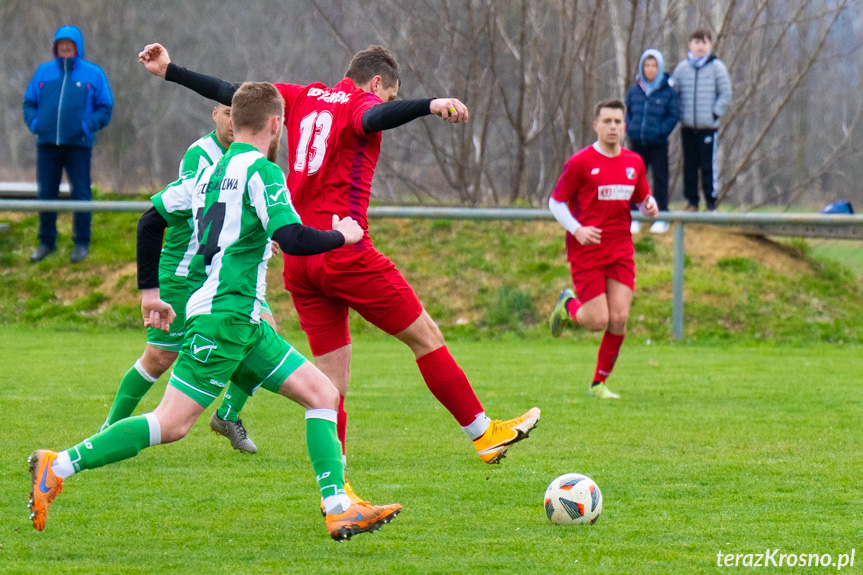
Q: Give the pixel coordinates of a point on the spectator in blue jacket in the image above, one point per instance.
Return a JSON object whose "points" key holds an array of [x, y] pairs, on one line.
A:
{"points": [[704, 87], [651, 114], [66, 103]]}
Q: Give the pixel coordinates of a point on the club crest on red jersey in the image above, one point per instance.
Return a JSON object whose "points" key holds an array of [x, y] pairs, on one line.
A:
{"points": [[630, 173]]}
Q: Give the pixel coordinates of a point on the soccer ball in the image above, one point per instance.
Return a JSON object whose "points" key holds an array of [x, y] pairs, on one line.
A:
{"points": [[573, 498]]}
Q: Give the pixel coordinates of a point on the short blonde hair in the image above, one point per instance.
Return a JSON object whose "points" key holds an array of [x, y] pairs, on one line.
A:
{"points": [[253, 104]]}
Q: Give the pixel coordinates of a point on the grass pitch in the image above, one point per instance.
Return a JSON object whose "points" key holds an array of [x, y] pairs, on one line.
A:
{"points": [[731, 449]]}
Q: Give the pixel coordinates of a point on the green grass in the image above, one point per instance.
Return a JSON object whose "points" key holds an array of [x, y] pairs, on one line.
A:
{"points": [[712, 448], [849, 253]]}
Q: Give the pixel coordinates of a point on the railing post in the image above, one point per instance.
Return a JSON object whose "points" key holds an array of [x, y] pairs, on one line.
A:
{"points": [[677, 282]]}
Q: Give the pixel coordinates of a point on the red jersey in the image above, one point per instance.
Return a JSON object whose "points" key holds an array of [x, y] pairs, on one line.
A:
{"points": [[331, 159], [598, 189]]}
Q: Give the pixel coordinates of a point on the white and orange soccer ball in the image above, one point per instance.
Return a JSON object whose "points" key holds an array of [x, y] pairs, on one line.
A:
{"points": [[573, 499]]}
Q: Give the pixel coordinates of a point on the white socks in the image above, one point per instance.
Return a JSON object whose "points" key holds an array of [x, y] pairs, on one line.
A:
{"points": [[478, 427]]}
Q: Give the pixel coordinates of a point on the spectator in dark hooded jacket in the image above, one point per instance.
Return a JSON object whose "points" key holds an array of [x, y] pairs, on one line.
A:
{"points": [[66, 103], [651, 114]]}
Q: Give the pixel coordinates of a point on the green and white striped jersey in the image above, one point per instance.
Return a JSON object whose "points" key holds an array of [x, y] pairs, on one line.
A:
{"points": [[179, 245], [237, 204]]}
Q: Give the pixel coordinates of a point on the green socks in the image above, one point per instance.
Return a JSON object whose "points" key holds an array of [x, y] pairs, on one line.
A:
{"points": [[233, 402], [326, 455], [135, 384], [123, 440]]}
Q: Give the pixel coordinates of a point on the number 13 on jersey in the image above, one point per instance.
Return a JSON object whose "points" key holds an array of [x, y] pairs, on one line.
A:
{"points": [[316, 124]]}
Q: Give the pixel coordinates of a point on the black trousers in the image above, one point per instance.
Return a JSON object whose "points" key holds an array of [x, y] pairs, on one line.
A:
{"points": [[699, 153], [655, 158]]}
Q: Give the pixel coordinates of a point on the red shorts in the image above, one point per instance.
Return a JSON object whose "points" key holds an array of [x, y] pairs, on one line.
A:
{"points": [[589, 277], [325, 286]]}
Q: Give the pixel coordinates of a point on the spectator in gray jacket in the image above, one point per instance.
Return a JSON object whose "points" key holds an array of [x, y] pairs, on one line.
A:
{"points": [[704, 87]]}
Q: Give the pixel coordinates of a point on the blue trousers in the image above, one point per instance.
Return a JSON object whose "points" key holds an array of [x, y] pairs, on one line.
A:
{"points": [[50, 162]]}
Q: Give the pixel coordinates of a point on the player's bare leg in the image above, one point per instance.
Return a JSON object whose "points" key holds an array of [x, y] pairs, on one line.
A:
{"points": [[619, 301], [177, 412], [448, 383]]}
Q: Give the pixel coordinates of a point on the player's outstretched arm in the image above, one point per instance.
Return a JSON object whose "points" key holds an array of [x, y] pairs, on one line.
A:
{"points": [[393, 114], [300, 240], [156, 60], [151, 230]]}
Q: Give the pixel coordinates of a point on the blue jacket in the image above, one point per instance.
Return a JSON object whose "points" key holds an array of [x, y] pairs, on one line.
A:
{"points": [[68, 100], [651, 109]]}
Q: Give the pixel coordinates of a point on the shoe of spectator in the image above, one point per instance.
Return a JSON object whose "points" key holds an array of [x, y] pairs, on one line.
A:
{"points": [[41, 253], [634, 227], [78, 254], [659, 227]]}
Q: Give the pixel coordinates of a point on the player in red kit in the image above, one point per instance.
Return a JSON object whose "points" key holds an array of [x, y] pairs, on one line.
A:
{"points": [[334, 138], [591, 201]]}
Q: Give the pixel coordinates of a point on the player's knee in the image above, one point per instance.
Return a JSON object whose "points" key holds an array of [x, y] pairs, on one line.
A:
{"points": [[321, 393], [597, 322], [326, 396], [174, 429], [157, 361], [423, 336]]}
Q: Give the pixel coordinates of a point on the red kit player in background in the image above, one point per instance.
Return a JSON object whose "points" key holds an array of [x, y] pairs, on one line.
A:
{"points": [[591, 201], [334, 139]]}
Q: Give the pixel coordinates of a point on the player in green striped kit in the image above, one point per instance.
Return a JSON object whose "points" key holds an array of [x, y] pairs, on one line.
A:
{"points": [[162, 348], [236, 204]]}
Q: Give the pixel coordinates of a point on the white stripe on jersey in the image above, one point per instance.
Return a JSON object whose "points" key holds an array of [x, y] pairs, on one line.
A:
{"points": [[211, 153], [256, 197], [178, 195], [212, 149], [201, 302], [183, 267]]}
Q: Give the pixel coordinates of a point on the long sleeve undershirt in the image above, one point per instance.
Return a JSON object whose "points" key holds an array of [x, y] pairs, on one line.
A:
{"points": [[376, 119], [293, 239], [564, 217]]}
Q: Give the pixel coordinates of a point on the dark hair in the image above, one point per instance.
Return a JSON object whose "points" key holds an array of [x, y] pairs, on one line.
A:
{"points": [[374, 61], [255, 103], [612, 104], [701, 34]]}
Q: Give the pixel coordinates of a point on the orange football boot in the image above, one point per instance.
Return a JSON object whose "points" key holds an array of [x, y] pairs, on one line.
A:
{"points": [[45, 486], [360, 518], [501, 435]]}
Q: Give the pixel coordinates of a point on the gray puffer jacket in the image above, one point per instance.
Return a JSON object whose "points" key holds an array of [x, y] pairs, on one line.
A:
{"points": [[704, 92]]}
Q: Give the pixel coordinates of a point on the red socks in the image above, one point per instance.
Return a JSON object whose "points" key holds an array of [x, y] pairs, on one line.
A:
{"points": [[448, 383], [609, 349], [572, 307]]}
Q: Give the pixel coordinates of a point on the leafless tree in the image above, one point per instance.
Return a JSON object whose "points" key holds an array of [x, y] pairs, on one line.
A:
{"points": [[529, 71]]}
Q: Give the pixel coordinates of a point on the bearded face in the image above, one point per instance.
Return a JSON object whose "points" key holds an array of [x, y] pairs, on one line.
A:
{"points": [[273, 150]]}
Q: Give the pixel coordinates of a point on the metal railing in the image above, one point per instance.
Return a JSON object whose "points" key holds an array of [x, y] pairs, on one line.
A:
{"points": [[775, 224]]}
